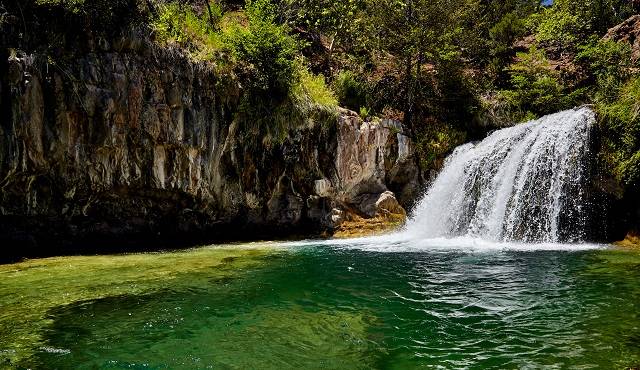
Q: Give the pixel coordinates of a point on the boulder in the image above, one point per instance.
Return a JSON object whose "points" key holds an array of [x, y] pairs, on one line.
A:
{"points": [[388, 204]]}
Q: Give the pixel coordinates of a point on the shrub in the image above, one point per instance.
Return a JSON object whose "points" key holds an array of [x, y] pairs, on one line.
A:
{"points": [[72, 5], [279, 92], [434, 141], [350, 90], [505, 32], [568, 21], [536, 88], [315, 88], [266, 51], [558, 25], [176, 22], [365, 113], [309, 101], [620, 125], [535, 85], [95, 15], [607, 64]]}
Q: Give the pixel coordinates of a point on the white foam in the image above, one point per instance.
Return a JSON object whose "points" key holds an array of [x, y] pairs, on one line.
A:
{"points": [[61, 351], [401, 243], [522, 183]]}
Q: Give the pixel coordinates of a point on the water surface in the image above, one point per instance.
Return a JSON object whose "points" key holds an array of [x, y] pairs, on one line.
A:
{"points": [[442, 304]]}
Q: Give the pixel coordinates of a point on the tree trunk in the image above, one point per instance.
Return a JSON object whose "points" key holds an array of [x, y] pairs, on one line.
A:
{"points": [[213, 25], [152, 9], [408, 109]]}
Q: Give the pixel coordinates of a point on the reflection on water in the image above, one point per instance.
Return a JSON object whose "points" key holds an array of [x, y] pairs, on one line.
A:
{"points": [[325, 305]]}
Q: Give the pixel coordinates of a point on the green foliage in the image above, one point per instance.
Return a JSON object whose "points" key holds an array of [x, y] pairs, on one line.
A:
{"points": [[340, 21], [308, 102], [607, 63], [266, 51], [315, 88], [72, 5], [279, 92], [568, 21], [536, 88], [177, 22], [365, 113], [556, 24], [620, 127], [94, 15], [350, 90], [435, 141], [505, 32]]}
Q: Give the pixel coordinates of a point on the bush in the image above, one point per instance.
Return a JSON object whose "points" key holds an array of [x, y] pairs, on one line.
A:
{"points": [[536, 88], [279, 92], [569, 21], [309, 101], [505, 32], [71, 5], [435, 140], [350, 90], [266, 52], [558, 25], [177, 22], [315, 88], [607, 63], [620, 126], [95, 15]]}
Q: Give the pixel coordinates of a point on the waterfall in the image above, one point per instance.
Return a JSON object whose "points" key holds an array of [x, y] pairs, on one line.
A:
{"points": [[523, 183]]}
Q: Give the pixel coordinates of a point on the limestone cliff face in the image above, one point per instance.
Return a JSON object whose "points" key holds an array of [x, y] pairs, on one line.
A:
{"points": [[131, 139]]}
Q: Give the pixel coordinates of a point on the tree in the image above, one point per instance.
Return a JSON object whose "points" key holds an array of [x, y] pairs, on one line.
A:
{"points": [[568, 21], [339, 21], [420, 34]]}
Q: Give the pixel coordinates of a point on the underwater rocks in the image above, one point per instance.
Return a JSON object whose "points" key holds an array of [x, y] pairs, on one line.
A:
{"points": [[119, 146]]}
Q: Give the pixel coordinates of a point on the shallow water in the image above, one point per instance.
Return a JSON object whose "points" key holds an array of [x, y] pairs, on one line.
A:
{"points": [[369, 303]]}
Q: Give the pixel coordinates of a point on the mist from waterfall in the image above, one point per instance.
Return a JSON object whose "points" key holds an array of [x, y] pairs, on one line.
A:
{"points": [[524, 183]]}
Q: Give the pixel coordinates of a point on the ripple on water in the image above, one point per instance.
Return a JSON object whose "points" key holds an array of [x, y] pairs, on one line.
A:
{"points": [[324, 305]]}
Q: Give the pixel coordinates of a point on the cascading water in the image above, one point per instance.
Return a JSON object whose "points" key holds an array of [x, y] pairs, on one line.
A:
{"points": [[523, 183]]}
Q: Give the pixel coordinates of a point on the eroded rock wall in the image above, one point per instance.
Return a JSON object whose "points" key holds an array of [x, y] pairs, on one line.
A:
{"points": [[132, 141]]}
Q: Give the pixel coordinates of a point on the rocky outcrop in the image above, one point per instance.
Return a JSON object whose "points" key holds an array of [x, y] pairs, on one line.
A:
{"points": [[627, 32], [131, 141]]}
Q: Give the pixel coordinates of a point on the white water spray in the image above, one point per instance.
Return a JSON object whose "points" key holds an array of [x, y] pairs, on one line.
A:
{"points": [[524, 183]]}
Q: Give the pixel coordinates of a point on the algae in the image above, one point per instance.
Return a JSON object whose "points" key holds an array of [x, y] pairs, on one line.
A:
{"points": [[31, 289]]}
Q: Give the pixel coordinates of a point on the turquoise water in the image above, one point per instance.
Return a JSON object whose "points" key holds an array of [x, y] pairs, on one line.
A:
{"points": [[324, 305]]}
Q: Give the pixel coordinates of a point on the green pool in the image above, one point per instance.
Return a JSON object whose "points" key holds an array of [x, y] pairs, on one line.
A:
{"points": [[325, 305]]}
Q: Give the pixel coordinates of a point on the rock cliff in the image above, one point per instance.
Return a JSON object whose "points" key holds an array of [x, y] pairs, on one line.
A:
{"points": [[627, 32], [131, 142]]}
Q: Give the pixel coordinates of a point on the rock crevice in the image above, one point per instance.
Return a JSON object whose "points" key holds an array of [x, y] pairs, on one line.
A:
{"points": [[114, 145]]}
